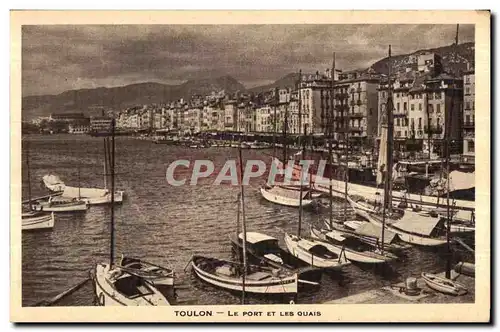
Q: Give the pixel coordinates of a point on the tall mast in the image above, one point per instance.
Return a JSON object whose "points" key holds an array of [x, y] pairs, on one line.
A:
{"points": [[285, 128], [448, 152], [242, 200], [29, 174], [300, 181], [106, 158], [388, 171], [112, 192], [79, 184], [275, 121], [300, 105], [330, 130]]}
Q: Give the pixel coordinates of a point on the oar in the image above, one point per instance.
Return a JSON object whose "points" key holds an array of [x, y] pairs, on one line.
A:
{"points": [[58, 297]]}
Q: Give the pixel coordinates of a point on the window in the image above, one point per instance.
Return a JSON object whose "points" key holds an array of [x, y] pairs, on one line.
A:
{"points": [[419, 106], [404, 106], [430, 96], [431, 108], [467, 105], [406, 133], [467, 91], [419, 122], [473, 105], [412, 107], [398, 133], [412, 122], [437, 95], [467, 118], [397, 106], [438, 108], [397, 122], [470, 146], [438, 120]]}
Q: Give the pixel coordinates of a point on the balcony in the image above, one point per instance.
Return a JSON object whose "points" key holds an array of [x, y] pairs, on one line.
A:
{"points": [[341, 95], [469, 125], [359, 90], [356, 129]]}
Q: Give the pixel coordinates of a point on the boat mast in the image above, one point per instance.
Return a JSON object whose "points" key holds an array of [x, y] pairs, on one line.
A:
{"points": [[242, 200], [29, 174], [79, 184], [285, 128], [300, 180], [106, 157], [448, 152], [330, 131], [112, 192], [275, 121], [388, 170], [300, 105]]}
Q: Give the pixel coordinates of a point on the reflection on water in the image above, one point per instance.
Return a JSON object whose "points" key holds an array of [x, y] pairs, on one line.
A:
{"points": [[166, 224]]}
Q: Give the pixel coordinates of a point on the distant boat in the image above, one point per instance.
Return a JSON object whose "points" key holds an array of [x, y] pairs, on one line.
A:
{"points": [[444, 285], [60, 204], [155, 274], [316, 253], [258, 279], [286, 197], [44, 221]]}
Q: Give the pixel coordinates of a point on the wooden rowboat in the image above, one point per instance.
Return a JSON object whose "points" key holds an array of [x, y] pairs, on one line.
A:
{"points": [[228, 275], [38, 222], [285, 197], [444, 285]]}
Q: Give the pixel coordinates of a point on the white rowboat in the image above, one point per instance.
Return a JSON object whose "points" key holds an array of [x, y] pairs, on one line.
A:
{"points": [[278, 196], [38, 222], [444, 285]]}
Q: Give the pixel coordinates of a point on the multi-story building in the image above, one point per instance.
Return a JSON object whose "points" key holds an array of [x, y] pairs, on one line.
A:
{"points": [[469, 110], [81, 126], [230, 114], [100, 124], [356, 105], [314, 94], [264, 119]]}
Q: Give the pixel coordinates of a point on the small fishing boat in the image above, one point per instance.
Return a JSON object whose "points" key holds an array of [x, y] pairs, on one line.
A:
{"points": [[229, 275], [44, 221], [444, 285], [355, 249], [60, 204], [265, 250], [370, 234], [115, 287], [155, 274], [286, 197], [316, 253], [305, 188]]}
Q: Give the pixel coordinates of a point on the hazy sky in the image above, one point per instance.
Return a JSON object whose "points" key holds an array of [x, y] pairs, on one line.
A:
{"points": [[65, 57]]}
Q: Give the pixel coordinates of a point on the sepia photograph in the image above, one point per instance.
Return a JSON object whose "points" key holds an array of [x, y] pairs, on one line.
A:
{"points": [[250, 172]]}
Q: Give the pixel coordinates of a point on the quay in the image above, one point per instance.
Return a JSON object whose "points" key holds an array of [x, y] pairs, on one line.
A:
{"points": [[391, 294]]}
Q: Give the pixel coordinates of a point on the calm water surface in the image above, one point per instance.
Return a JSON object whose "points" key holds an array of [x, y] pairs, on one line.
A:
{"points": [[165, 224]]}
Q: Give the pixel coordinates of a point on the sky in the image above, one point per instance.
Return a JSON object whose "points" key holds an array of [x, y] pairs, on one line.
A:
{"points": [[56, 58]]}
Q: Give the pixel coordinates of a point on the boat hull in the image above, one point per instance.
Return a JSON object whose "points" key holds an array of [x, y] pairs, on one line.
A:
{"points": [[107, 295], [443, 285], [281, 200], [278, 286], [40, 222], [313, 260], [63, 208]]}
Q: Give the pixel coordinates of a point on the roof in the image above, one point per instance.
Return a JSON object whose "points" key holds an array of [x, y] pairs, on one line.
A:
{"points": [[254, 237], [415, 223], [371, 230]]}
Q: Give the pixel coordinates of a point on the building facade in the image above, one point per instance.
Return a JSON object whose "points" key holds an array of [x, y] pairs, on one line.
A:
{"points": [[469, 110]]}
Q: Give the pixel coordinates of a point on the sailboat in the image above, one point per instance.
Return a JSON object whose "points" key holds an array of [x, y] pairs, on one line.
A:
{"points": [[30, 219], [315, 253], [115, 286], [93, 196], [240, 277]]}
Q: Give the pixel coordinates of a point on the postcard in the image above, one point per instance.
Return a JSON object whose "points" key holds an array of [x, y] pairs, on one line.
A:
{"points": [[250, 166]]}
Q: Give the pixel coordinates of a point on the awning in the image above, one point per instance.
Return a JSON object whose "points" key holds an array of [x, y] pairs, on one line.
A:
{"points": [[371, 230], [254, 237], [415, 223]]}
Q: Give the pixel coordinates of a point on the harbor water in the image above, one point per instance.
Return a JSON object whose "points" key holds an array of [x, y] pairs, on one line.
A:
{"points": [[166, 225]]}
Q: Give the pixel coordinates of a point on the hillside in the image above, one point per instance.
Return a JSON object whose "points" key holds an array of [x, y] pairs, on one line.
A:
{"points": [[286, 81], [91, 100]]}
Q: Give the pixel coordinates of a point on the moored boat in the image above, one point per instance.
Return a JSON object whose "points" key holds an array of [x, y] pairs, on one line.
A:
{"points": [[229, 275], [444, 285], [355, 250], [115, 287], [286, 197], [60, 204], [37, 222], [316, 253]]}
